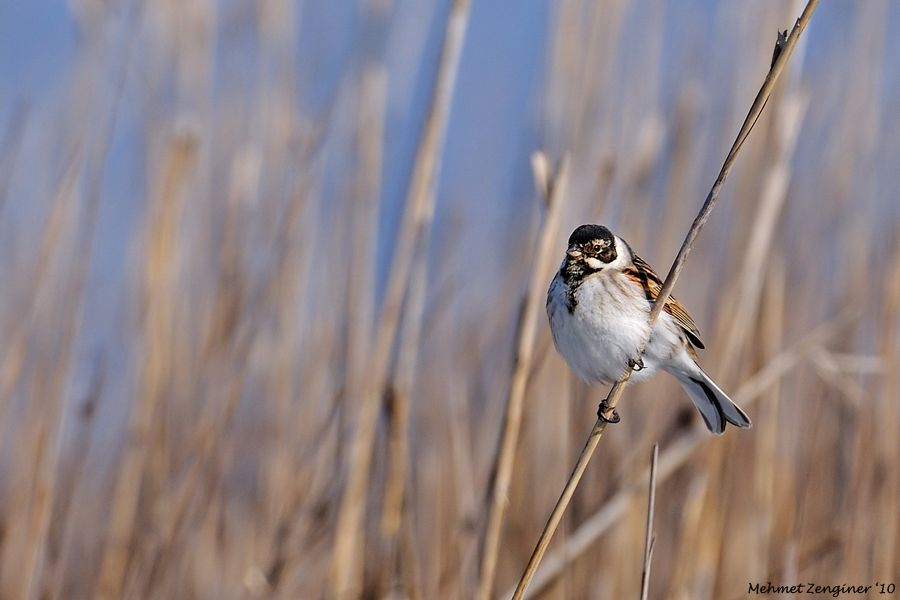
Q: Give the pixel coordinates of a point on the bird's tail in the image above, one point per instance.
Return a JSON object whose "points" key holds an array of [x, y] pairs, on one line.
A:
{"points": [[714, 405]]}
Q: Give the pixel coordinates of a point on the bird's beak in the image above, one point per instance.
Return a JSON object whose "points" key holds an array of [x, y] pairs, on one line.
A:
{"points": [[573, 253]]}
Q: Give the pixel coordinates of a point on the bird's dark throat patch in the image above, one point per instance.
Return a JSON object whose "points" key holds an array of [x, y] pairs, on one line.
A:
{"points": [[573, 273]]}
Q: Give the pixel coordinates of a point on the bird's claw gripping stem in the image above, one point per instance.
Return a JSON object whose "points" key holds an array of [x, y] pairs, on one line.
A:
{"points": [[636, 364], [601, 413]]}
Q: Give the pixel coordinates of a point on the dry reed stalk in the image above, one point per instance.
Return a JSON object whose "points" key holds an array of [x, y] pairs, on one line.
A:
{"points": [[706, 560], [604, 30], [47, 389], [612, 399], [787, 118], [888, 414], [345, 576], [52, 391], [735, 324], [58, 221], [849, 393], [72, 474], [290, 505], [73, 222], [371, 115], [410, 561], [860, 364], [90, 162], [873, 426], [690, 527], [83, 229], [553, 188], [231, 330], [766, 462], [464, 483], [289, 522], [857, 527], [159, 282], [401, 389], [683, 142], [394, 500], [231, 335], [649, 538]]}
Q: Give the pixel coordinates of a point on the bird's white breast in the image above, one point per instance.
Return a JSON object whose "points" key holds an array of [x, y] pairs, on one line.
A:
{"points": [[606, 327]]}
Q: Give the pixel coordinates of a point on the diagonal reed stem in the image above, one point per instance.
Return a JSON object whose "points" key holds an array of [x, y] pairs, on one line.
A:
{"points": [[612, 399]]}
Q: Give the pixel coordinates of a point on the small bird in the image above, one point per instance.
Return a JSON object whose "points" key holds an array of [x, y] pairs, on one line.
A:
{"points": [[598, 304]]}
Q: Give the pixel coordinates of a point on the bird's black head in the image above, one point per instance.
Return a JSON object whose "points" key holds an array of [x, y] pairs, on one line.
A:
{"points": [[590, 248], [592, 242]]}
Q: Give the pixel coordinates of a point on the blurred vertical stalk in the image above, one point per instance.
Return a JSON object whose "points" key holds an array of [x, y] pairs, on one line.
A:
{"points": [[159, 288], [746, 309], [648, 536], [83, 224], [887, 445], [765, 474], [392, 514], [553, 189], [61, 518], [49, 391], [683, 141], [15, 346], [346, 571], [363, 216], [787, 118]]}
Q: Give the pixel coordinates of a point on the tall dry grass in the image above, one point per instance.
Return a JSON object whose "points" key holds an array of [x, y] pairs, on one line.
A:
{"points": [[228, 376]]}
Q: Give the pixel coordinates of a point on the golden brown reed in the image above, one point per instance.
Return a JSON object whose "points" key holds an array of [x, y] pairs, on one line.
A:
{"points": [[207, 451]]}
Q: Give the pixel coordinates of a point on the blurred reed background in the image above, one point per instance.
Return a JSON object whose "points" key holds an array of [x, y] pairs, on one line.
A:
{"points": [[243, 355]]}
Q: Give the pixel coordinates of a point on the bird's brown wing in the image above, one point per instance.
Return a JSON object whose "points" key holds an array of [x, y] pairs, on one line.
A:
{"points": [[644, 274]]}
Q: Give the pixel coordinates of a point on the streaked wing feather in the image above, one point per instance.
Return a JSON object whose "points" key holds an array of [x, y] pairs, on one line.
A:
{"points": [[647, 277]]}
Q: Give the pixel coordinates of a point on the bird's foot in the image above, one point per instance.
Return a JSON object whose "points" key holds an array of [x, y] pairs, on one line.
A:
{"points": [[636, 364], [601, 413]]}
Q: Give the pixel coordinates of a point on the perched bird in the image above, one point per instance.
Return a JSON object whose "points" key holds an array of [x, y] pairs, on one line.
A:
{"points": [[598, 305]]}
